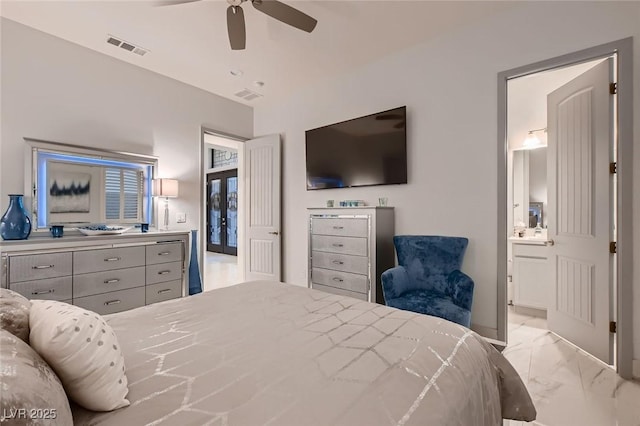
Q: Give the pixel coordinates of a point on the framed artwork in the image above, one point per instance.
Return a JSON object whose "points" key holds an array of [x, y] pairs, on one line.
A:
{"points": [[69, 192]]}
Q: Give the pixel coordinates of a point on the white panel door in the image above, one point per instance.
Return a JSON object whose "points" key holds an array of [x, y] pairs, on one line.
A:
{"points": [[262, 183], [580, 139]]}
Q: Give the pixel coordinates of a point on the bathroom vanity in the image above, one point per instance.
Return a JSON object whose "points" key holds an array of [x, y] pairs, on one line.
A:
{"points": [[531, 272]]}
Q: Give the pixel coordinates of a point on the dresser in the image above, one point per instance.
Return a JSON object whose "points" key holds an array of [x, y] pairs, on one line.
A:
{"points": [[349, 248], [105, 274]]}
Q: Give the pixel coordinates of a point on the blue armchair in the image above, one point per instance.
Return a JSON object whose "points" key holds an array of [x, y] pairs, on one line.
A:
{"points": [[428, 279]]}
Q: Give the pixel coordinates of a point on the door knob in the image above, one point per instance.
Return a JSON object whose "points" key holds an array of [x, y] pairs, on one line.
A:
{"points": [[274, 232], [549, 243]]}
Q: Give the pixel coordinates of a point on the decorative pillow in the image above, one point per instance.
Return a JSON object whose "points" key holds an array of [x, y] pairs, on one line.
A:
{"points": [[14, 313], [30, 392], [83, 350]]}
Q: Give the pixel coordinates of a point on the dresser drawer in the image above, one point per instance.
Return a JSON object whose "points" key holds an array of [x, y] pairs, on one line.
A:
{"points": [[340, 262], [163, 291], [342, 280], [87, 261], [115, 301], [50, 289], [105, 281], [345, 245], [39, 266], [164, 272], [333, 290], [356, 227], [163, 253]]}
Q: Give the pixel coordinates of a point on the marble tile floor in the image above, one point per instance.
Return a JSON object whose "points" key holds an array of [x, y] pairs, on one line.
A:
{"points": [[220, 270], [568, 387]]}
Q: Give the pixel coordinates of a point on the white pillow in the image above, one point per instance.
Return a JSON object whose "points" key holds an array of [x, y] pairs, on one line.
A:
{"points": [[83, 350]]}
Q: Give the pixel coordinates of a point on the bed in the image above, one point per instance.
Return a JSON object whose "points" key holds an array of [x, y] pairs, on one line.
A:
{"points": [[267, 353]]}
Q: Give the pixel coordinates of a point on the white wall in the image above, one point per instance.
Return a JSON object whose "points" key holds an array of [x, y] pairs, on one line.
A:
{"points": [[58, 91], [449, 87]]}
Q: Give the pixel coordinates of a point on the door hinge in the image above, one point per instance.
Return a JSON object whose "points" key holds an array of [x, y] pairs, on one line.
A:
{"points": [[613, 327], [613, 247], [613, 88], [613, 168]]}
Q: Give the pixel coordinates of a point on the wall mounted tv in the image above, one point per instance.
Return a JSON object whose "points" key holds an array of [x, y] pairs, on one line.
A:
{"points": [[365, 151]]}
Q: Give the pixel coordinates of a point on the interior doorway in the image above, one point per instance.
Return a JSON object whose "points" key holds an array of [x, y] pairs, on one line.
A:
{"points": [[554, 252], [223, 210], [561, 141]]}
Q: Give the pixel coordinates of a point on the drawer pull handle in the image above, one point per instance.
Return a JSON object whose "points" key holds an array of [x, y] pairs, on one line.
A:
{"points": [[42, 267], [112, 259], [164, 253], [164, 272], [338, 280], [337, 245], [338, 227], [166, 290], [338, 262], [37, 292], [112, 302], [114, 280]]}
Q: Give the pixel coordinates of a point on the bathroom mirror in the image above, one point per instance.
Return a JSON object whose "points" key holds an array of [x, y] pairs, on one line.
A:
{"points": [[530, 187], [74, 185]]}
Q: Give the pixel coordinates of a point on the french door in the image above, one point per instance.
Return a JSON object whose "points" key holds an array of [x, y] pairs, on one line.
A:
{"points": [[222, 208]]}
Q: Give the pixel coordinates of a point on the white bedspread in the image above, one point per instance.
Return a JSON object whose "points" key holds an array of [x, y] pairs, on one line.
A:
{"points": [[266, 353]]}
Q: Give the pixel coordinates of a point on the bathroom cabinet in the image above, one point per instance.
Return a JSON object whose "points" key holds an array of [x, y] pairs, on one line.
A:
{"points": [[531, 274]]}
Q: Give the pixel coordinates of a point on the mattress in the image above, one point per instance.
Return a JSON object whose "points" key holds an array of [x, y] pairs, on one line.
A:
{"points": [[268, 353]]}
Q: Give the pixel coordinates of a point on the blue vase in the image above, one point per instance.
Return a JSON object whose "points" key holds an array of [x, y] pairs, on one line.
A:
{"points": [[195, 284], [15, 224]]}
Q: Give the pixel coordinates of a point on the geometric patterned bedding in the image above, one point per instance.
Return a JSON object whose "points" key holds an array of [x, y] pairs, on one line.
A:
{"points": [[268, 353]]}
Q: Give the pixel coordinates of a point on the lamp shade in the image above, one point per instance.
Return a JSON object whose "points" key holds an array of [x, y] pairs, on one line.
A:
{"points": [[165, 188]]}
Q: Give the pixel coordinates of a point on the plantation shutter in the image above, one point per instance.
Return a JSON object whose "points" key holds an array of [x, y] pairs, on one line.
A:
{"points": [[124, 190]]}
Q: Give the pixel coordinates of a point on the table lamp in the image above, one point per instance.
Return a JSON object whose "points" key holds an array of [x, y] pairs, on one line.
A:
{"points": [[167, 188]]}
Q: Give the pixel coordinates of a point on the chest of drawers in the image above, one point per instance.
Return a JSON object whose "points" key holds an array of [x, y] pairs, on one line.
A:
{"points": [[103, 275], [349, 248]]}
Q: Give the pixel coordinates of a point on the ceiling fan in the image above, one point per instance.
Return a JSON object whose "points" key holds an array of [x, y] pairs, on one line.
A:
{"points": [[275, 9]]}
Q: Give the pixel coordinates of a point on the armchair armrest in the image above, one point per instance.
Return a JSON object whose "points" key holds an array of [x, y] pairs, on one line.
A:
{"points": [[460, 288], [394, 282]]}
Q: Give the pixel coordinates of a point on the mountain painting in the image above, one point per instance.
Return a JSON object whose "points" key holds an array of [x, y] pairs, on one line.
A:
{"points": [[69, 192]]}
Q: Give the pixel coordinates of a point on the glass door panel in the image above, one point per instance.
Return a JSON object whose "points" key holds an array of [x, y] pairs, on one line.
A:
{"points": [[222, 217], [232, 215]]}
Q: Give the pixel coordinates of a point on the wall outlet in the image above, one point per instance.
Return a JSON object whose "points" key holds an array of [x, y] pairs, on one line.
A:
{"points": [[181, 218]]}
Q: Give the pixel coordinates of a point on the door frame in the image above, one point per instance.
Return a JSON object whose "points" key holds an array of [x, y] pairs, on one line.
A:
{"points": [[221, 175], [624, 258], [237, 143]]}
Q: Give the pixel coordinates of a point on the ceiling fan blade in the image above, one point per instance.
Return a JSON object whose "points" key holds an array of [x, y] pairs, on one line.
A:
{"points": [[236, 28], [286, 14], [171, 2]]}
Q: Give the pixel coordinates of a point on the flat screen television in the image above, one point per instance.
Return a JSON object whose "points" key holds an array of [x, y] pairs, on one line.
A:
{"points": [[365, 151]]}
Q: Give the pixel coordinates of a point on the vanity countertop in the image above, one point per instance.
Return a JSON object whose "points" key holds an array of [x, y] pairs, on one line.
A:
{"points": [[539, 240]]}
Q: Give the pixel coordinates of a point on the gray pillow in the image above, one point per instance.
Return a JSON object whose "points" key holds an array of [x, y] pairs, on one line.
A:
{"points": [[31, 393], [14, 313]]}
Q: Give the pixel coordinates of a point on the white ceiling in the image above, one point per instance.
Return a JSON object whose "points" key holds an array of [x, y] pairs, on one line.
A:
{"points": [[189, 42]]}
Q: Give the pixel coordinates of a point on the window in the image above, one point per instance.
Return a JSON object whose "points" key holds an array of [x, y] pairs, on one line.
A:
{"points": [[90, 187], [124, 192]]}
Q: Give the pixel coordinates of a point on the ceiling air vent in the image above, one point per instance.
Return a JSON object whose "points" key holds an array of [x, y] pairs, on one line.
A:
{"points": [[248, 95], [130, 47]]}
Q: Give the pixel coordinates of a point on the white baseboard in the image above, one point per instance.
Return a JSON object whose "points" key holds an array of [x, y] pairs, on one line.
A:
{"points": [[636, 369], [491, 333]]}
